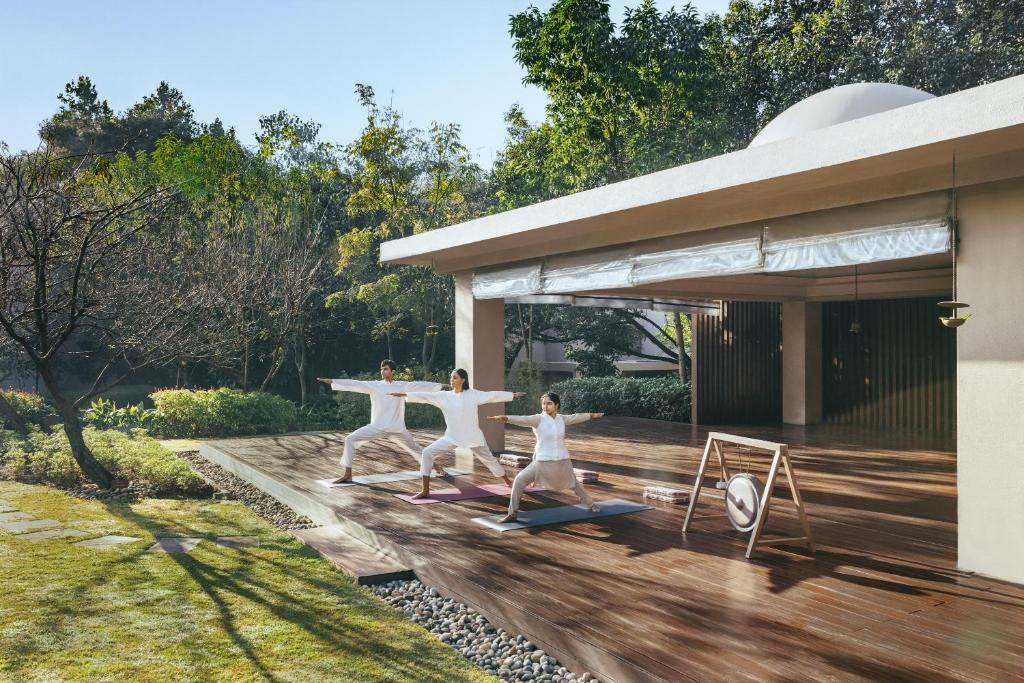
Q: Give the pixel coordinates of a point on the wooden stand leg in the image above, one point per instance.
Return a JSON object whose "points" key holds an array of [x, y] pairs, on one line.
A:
{"points": [[697, 484], [721, 461], [762, 513], [797, 500]]}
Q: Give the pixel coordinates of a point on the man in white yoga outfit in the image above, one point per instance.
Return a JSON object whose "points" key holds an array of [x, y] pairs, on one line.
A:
{"points": [[387, 413]]}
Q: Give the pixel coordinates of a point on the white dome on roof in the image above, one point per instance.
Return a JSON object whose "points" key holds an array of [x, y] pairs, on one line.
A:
{"points": [[837, 105]]}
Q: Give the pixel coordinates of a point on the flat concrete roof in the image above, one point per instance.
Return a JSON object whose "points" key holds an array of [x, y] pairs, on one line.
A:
{"points": [[895, 153]]}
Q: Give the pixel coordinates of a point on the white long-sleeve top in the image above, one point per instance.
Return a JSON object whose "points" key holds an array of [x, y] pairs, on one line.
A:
{"points": [[550, 433], [461, 417], [386, 412]]}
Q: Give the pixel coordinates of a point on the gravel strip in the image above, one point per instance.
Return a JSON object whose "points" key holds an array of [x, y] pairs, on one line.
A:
{"points": [[499, 653], [229, 487]]}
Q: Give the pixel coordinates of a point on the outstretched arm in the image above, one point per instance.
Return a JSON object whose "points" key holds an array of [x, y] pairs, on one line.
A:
{"points": [[431, 397], [497, 396], [576, 418], [419, 386], [520, 420], [347, 385]]}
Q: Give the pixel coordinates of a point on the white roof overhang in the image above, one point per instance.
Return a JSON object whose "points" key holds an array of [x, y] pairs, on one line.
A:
{"points": [[901, 152]]}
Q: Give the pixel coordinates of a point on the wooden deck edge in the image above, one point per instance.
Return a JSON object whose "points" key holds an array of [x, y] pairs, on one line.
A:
{"points": [[366, 565]]}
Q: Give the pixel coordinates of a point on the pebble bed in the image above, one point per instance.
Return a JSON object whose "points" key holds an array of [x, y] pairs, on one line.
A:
{"points": [[227, 486], [499, 653], [127, 494]]}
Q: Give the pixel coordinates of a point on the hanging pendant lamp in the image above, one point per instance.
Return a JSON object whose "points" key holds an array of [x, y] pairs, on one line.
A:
{"points": [[955, 320]]}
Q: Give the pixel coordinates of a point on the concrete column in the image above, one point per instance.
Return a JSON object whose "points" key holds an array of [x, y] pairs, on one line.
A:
{"points": [[480, 349], [990, 381], [801, 363]]}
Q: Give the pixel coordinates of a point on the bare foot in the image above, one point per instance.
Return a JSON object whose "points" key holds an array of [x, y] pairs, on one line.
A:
{"points": [[421, 494], [347, 477], [507, 519], [595, 508]]}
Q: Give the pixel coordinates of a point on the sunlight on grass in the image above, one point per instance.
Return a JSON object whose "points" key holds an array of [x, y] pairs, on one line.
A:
{"points": [[278, 612], [180, 444]]}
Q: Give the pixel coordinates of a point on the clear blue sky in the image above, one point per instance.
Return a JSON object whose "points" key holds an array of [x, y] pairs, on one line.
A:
{"points": [[436, 60]]}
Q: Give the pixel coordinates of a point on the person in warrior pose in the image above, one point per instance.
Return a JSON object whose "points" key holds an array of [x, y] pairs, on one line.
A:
{"points": [[551, 467], [387, 413], [462, 424]]}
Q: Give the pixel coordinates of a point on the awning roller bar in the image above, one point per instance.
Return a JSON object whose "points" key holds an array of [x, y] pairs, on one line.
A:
{"points": [[882, 231]]}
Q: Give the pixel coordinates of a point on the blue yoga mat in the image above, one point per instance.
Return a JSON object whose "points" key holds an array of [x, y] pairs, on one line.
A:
{"points": [[562, 513]]}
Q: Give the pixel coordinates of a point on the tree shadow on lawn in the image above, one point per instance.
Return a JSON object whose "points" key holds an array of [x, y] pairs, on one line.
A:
{"points": [[301, 603]]}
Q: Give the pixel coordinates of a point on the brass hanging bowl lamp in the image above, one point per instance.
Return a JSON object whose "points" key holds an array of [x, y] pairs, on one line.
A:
{"points": [[955, 320]]}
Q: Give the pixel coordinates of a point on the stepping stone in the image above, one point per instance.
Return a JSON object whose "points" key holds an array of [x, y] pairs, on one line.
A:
{"points": [[48, 534], [107, 541], [174, 545], [28, 525], [14, 515], [237, 541]]}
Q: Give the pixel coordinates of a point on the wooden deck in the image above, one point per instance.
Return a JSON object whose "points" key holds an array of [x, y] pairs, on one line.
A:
{"points": [[632, 599]]}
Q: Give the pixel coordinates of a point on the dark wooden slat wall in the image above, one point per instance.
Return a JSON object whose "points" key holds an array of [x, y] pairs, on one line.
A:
{"points": [[737, 364], [899, 372]]}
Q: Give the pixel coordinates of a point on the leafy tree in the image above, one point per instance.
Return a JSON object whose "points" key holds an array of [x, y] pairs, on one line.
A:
{"points": [[404, 181], [624, 101], [781, 51], [85, 124], [92, 271]]}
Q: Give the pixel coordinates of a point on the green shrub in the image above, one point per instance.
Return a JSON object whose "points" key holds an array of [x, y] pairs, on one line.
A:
{"points": [[133, 456], [220, 412], [105, 414], [33, 407], [528, 378], [658, 398]]}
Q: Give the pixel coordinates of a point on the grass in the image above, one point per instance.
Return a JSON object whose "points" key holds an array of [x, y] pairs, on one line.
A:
{"points": [[278, 612], [180, 444]]}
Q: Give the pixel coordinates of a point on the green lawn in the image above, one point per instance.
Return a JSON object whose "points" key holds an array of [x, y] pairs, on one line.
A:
{"points": [[277, 612]]}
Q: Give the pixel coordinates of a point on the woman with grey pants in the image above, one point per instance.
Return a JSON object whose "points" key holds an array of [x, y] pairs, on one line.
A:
{"points": [[551, 467]]}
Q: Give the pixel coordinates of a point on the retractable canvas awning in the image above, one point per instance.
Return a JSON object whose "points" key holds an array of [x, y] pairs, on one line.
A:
{"points": [[868, 233]]}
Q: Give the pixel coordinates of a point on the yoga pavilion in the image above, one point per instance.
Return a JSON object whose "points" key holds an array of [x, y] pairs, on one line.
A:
{"points": [[812, 263]]}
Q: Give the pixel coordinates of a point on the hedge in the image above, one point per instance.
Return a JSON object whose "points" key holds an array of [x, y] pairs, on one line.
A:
{"points": [[220, 412], [33, 407], [42, 457], [658, 398]]}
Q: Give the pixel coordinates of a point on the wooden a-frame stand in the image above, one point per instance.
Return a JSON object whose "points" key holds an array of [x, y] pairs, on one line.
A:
{"points": [[780, 456]]}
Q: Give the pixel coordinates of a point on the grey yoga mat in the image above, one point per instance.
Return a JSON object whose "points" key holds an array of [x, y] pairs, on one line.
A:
{"points": [[561, 514]]}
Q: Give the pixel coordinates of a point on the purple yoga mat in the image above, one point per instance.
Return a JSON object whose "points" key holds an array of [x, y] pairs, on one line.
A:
{"points": [[466, 493]]}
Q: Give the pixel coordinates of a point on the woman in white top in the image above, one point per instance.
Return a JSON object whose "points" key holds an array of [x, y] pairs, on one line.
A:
{"points": [[551, 467], [462, 424], [387, 413]]}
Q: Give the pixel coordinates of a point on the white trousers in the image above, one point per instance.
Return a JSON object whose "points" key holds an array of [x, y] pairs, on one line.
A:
{"points": [[444, 446], [370, 433]]}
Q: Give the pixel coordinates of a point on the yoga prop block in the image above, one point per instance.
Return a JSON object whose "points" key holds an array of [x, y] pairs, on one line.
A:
{"points": [[667, 494], [562, 514], [387, 478], [467, 493]]}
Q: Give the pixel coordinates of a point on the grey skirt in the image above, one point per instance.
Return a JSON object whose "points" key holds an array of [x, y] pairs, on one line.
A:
{"points": [[554, 475]]}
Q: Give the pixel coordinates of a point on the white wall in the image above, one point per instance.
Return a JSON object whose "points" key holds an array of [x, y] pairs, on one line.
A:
{"points": [[990, 381]]}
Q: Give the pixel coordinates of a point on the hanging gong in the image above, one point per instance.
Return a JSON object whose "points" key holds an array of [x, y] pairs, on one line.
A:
{"points": [[743, 495]]}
